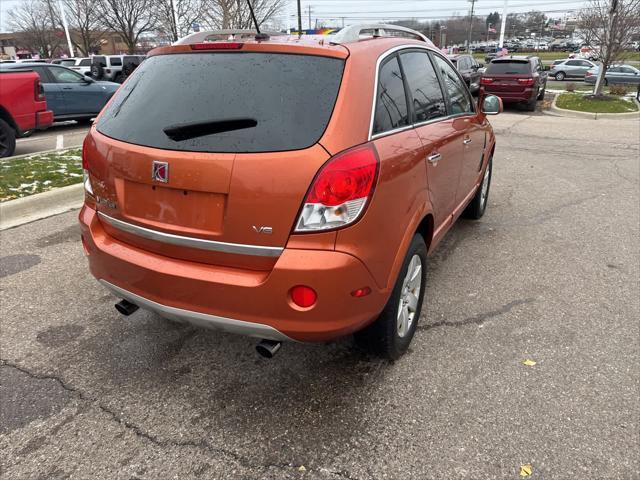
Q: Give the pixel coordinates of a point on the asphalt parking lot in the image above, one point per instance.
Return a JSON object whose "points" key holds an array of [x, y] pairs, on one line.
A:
{"points": [[60, 135], [550, 274]]}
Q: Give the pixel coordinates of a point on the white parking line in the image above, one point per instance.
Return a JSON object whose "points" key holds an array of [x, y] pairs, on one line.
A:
{"points": [[59, 142]]}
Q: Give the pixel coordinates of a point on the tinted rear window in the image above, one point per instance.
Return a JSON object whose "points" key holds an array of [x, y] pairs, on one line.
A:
{"points": [[115, 61], [507, 67], [288, 98]]}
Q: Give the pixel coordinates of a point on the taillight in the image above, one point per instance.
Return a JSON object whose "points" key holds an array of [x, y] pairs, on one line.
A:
{"points": [[85, 173], [588, 74], [38, 91], [340, 191], [486, 81], [217, 46], [527, 82]]}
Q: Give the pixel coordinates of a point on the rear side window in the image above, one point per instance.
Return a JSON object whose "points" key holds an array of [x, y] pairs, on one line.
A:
{"points": [[115, 61], [457, 92], [225, 102], [85, 62], [508, 68], [426, 95], [391, 102], [100, 61]]}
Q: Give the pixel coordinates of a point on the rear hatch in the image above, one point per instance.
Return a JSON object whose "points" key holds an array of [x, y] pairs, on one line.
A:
{"points": [[213, 145], [507, 76]]}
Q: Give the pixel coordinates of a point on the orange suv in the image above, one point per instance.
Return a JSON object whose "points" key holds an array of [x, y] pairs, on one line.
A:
{"points": [[285, 188]]}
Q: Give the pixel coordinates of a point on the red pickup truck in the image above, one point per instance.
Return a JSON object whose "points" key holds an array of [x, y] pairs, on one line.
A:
{"points": [[23, 108]]}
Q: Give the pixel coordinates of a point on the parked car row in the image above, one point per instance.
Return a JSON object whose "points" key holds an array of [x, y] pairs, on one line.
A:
{"points": [[70, 95], [114, 68]]}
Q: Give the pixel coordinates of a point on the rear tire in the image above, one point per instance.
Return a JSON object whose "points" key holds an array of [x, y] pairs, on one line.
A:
{"points": [[531, 104], [7, 139], [475, 210], [560, 76], [390, 335]]}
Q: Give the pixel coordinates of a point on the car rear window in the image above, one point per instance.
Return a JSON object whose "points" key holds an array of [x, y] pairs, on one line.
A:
{"points": [[225, 102], [507, 67]]}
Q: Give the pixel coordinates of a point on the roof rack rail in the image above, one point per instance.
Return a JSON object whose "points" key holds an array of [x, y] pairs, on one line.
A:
{"points": [[353, 33], [226, 34]]}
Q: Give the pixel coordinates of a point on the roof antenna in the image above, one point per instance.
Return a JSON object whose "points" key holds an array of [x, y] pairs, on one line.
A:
{"points": [[259, 36]]}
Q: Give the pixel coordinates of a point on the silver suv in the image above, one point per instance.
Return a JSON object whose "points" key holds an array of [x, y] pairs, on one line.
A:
{"points": [[571, 68]]}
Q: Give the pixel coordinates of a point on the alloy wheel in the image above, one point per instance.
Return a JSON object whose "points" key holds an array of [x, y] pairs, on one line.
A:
{"points": [[409, 296]]}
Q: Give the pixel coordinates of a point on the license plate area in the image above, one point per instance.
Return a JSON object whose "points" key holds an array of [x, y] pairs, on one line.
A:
{"points": [[174, 209]]}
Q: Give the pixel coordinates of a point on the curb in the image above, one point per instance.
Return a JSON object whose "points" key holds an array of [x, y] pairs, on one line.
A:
{"points": [[574, 114], [44, 152], [42, 205]]}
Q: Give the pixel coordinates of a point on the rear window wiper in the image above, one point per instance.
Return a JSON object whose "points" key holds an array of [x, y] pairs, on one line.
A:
{"points": [[186, 131]]}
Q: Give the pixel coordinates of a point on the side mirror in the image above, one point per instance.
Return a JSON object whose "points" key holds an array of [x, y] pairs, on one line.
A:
{"points": [[480, 65], [88, 79], [491, 105], [88, 74]]}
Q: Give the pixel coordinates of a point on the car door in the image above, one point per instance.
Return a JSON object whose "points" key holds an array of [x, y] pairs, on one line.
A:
{"points": [[468, 130], [585, 66], [629, 75], [440, 142], [81, 97], [572, 68]]}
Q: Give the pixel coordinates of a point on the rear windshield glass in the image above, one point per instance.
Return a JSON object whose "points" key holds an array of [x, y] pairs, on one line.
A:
{"points": [[508, 67], [225, 102]]}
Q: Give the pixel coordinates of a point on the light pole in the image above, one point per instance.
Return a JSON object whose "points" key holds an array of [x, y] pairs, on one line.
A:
{"points": [[66, 28], [503, 24]]}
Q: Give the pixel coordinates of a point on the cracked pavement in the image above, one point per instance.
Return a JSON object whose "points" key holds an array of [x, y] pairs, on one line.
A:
{"points": [[549, 274]]}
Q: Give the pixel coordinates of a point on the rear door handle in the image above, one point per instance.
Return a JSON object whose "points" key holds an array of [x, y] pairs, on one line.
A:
{"points": [[67, 88], [467, 141], [434, 158]]}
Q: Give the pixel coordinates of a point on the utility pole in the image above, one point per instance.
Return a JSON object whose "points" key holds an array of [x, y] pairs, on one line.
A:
{"points": [[504, 24], [473, 3], [309, 17], [66, 28], [299, 19]]}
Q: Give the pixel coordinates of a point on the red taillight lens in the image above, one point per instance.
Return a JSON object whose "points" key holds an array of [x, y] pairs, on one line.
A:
{"points": [[38, 91], [303, 296], [340, 191], [588, 74], [527, 82], [217, 46], [486, 81]]}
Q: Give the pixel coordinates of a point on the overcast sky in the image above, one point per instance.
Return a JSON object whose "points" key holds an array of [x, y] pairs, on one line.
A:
{"points": [[358, 11]]}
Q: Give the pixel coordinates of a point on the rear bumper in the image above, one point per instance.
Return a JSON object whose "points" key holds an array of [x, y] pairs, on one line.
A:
{"points": [[511, 97], [254, 303], [44, 119]]}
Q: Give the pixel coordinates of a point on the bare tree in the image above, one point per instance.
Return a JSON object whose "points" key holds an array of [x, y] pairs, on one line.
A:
{"points": [[184, 12], [611, 25], [86, 23], [36, 23], [222, 14], [129, 19]]}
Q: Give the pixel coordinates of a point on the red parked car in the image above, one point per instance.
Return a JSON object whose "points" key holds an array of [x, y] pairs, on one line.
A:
{"points": [[515, 79], [23, 108]]}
